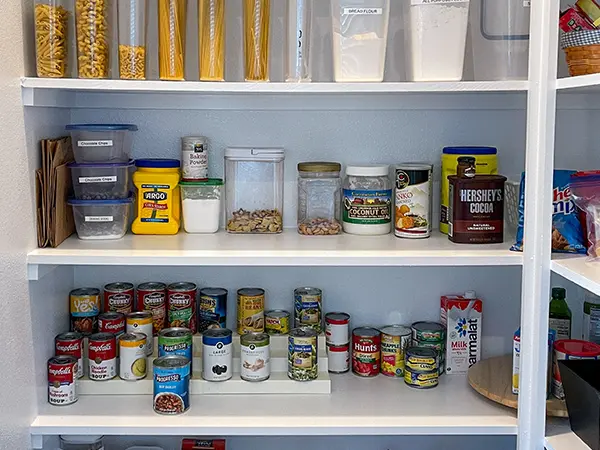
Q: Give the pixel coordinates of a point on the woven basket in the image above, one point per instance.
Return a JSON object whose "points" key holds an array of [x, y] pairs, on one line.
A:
{"points": [[582, 49]]}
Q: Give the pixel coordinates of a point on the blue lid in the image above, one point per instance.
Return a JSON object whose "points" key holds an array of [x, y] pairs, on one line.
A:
{"points": [[101, 127], [122, 201], [470, 150], [158, 163], [101, 165]]}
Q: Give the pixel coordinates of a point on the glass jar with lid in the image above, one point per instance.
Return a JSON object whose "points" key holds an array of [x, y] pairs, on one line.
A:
{"points": [[254, 190], [367, 200], [319, 198]]}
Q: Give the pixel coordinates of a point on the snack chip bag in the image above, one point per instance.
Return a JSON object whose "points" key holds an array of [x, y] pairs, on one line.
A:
{"points": [[567, 234]]}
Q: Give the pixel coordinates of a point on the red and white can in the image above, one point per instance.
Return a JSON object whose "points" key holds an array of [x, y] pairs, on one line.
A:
{"points": [[102, 356], [62, 377], [70, 344], [366, 351], [152, 296], [337, 328], [567, 349], [111, 322], [338, 358], [118, 297]]}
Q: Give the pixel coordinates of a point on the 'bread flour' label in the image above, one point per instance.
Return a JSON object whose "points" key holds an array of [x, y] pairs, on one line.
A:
{"points": [[362, 11]]}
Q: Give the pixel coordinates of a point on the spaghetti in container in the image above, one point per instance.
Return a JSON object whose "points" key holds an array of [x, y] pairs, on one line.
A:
{"points": [[257, 18], [171, 39], [51, 38], [211, 39]]}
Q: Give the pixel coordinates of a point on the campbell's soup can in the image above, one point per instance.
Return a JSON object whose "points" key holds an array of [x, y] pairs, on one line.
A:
{"points": [[337, 328], [102, 356], [84, 305], [70, 344], [118, 297], [111, 322], [569, 349], [62, 380], [338, 358], [366, 351], [141, 322], [181, 305], [152, 296]]}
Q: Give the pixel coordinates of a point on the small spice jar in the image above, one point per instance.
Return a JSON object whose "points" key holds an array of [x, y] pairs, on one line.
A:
{"points": [[201, 205], [367, 200], [319, 198]]}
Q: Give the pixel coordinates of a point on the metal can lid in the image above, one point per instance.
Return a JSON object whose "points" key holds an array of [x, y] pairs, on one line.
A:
{"points": [[428, 326], [175, 332], [102, 337], [396, 330], [152, 286], [62, 360], [69, 336], [182, 286], [255, 338], [139, 315], [421, 352], [171, 361], [277, 313], [132, 337], [118, 286], [251, 292], [307, 291], [337, 318], [319, 166], [303, 332], [213, 291], [366, 332], [111, 315], [82, 292]]}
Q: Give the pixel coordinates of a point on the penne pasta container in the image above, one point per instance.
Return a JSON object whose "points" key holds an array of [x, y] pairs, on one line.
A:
{"points": [[172, 16], [52, 38], [211, 39]]}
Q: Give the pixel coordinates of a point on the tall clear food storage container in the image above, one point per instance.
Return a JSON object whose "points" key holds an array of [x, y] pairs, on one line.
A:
{"points": [[500, 39], [360, 32], [298, 40], [254, 190], [257, 21], [211, 39], [132, 38], [437, 33], [319, 198], [172, 15], [92, 26], [52, 38]]}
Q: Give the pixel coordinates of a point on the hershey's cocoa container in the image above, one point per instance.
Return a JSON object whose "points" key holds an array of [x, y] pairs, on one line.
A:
{"points": [[111, 322], [102, 357], [181, 305], [62, 377], [70, 344], [152, 296], [118, 297], [412, 200]]}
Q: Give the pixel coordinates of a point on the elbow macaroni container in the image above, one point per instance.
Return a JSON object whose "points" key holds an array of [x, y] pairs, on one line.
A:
{"points": [[158, 199]]}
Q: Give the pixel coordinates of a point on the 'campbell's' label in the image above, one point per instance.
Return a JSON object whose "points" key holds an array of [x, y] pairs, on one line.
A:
{"points": [[462, 318], [102, 358]]}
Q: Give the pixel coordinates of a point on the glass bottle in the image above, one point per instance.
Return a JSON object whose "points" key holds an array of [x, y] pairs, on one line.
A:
{"points": [[257, 18], [211, 38], [560, 314], [171, 39], [298, 40]]}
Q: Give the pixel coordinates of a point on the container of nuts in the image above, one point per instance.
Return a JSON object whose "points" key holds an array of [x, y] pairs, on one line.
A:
{"points": [[319, 198], [254, 190]]}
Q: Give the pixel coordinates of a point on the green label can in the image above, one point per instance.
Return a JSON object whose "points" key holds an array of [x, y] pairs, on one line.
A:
{"points": [[303, 354], [308, 308]]}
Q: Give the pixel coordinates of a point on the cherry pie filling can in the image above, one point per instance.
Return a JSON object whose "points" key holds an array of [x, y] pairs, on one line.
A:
{"points": [[70, 344], [62, 380]]}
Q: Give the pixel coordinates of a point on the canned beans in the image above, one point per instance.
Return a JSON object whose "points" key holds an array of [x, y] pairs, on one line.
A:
{"points": [[303, 363]]}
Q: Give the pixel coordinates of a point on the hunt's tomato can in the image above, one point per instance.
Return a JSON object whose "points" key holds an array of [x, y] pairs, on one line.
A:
{"points": [[181, 305], [366, 351], [118, 297], [70, 344], [102, 356], [62, 376], [152, 296], [111, 322]]}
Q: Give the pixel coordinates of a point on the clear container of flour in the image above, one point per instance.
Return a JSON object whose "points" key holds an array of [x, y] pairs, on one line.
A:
{"points": [[500, 39], [437, 33], [201, 205], [360, 33]]}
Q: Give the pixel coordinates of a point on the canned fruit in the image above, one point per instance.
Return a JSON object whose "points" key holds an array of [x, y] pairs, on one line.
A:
{"points": [[428, 332], [177, 341], [84, 306], [217, 354], [419, 359], [255, 357], [141, 322], [307, 308], [181, 305], [277, 321], [394, 341], [303, 354], [171, 384], [366, 351], [111, 322], [412, 199], [152, 297], [337, 328], [102, 356], [62, 377], [212, 309], [250, 310], [132, 354], [421, 380], [70, 344], [118, 297]]}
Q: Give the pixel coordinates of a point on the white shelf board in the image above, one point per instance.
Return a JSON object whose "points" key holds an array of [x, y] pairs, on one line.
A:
{"points": [[559, 436], [356, 406], [286, 249], [580, 84], [578, 270]]}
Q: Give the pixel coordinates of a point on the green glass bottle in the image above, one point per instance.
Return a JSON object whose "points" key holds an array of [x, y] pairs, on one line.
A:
{"points": [[560, 314]]}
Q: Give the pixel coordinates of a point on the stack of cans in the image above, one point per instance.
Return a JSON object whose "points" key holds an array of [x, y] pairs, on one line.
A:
{"points": [[337, 337], [431, 335]]}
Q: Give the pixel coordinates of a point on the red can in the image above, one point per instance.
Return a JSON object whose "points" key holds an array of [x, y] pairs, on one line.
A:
{"points": [[118, 297], [62, 375], [102, 356], [111, 322], [181, 305], [152, 297], [203, 444], [366, 351], [70, 344]]}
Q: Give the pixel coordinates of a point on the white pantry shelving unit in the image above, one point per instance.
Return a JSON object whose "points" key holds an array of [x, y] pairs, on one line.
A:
{"points": [[559, 436]]}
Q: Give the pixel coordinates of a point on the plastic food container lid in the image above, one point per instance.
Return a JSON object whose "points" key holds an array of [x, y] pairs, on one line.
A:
{"points": [[123, 201], [574, 347], [319, 166], [158, 163], [255, 154], [208, 182], [470, 150], [131, 163], [101, 127], [375, 170]]}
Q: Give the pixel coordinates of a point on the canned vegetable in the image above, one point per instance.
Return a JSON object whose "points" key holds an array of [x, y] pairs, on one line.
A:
{"points": [[303, 363], [277, 321], [307, 308]]}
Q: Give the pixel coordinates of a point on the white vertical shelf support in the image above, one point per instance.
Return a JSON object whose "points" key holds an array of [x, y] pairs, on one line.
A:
{"points": [[539, 165]]}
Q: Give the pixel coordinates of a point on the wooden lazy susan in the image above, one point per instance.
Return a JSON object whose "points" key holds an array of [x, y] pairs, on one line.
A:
{"points": [[492, 378]]}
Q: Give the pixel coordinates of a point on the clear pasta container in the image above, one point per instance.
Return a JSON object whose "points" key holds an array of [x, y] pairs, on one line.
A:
{"points": [[211, 39], [319, 198], [92, 25], [52, 38], [257, 18], [172, 16], [298, 40], [254, 190], [132, 38]]}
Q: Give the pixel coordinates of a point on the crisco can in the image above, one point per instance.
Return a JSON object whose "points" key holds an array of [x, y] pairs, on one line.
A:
{"points": [[307, 308], [84, 307], [255, 357], [421, 380], [118, 297], [171, 384], [152, 296], [62, 377], [303, 355], [70, 344], [217, 354], [421, 359], [394, 341], [181, 305], [338, 358], [366, 351], [102, 357], [250, 310], [132, 354], [141, 322], [337, 328], [277, 321], [177, 341], [212, 309], [428, 332], [111, 322]]}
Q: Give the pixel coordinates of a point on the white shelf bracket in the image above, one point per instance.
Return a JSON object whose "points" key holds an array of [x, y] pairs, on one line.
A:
{"points": [[37, 441], [35, 272]]}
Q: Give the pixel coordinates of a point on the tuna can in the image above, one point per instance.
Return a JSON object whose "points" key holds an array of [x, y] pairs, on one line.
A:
{"points": [[102, 357], [421, 380], [394, 341], [250, 310], [566, 349], [111, 322], [171, 384], [255, 357], [181, 305], [118, 297], [141, 322], [338, 358], [366, 351], [303, 363], [217, 354], [70, 344], [194, 158], [277, 321], [152, 296], [337, 328], [428, 332], [62, 380], [84, 306], [307, 308], [419, 359], [177, 341], [132, 356], [412, 200], [212, 309]]}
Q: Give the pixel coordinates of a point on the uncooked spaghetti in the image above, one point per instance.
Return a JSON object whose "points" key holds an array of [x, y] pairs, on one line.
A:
{"points": [[257, 15], [211, 20], [171, 39]]}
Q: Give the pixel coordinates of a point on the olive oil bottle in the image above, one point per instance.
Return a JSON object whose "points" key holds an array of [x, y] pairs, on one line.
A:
{"points": [[560, 314]]}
